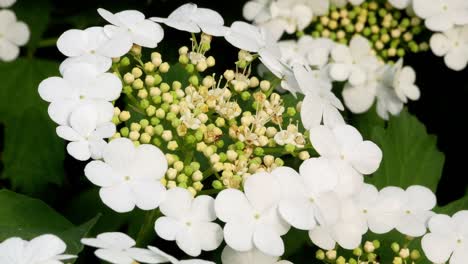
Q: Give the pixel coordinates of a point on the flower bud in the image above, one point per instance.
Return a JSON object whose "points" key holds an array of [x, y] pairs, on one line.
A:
{"points": [[404, 253], [369, 247], [134, 135], [265, 85], [217, 185], [164, 67], [320, 255], [178, 166], [166, 135], [128, 78], [331, 254], [229, 75], [171, 173], [124, 116]]}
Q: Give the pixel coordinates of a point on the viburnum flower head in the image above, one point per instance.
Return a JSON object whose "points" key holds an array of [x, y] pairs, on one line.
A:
{"points": [[6, 3], [254, 256], [453, 46], [93, 42], [40, 250], [251, 217], [441, 15], [130, 27], [308, 197], [411, 208], [189, 221], [448, 238], [81, 84], [320, 103], [118, 248], [129, 176], [352, 62], [85, 133], [13, 34], [193, 19], [349, 154]]}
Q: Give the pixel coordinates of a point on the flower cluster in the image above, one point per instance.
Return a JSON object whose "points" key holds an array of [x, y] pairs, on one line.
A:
{"points": [[165, 136], [13, 33], [394, 26]]}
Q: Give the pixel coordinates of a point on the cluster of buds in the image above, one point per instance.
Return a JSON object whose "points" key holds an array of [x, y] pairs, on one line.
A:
{"points": [[392, 32], [214, 130], [368, 254]]}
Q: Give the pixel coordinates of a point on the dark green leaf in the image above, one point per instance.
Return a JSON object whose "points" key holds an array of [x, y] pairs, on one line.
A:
{"points": [[410, 155], [27, 218], [33, 154], [366, 122], [453, 207]]}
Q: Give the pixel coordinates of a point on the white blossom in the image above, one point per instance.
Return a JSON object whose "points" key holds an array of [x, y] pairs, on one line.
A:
{"points": [[129, 176], [6, 3], [42, 249], [189, 221], [254, 256], [448, 238], [441, 15], [404, 82], [13, 34], [81, 83], [86, 134], [118, 248], [453, 46], [251, 217], [165, 258], [193, 19], [130, 27]]}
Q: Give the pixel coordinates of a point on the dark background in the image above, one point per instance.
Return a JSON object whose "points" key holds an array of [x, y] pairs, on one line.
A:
{"points": [[442, 106]]}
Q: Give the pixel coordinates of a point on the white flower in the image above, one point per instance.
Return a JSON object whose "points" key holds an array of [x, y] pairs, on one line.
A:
{"points": [[441, 15], [189, 221], [13, 33], [250, 38], [453, 45], [93, 42], [118, 248], [81, 83], [347, 231], [352, 63], [350, 155], [281, 70], [316, 50], [130, 27], [129, 176], [86, 134], [320, 103], [448, 238], [400, 4], [257, 10], [193, 19], [288, 16], [168, 258], [42, 249], [387, 102], [404, 82], [412, 208], [252, 217], [6, 3], [254, 256], [308, 198]]}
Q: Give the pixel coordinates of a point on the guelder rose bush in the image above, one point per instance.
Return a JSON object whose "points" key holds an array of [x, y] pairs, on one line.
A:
{"points": [[229, 159]]}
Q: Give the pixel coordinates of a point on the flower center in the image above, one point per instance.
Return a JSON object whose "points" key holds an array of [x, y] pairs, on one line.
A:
{"points": [[311, 199], [82, 97], [188, 223], [257, 216], [127, 178], [459, 241], [364, 211], [408, 212]]}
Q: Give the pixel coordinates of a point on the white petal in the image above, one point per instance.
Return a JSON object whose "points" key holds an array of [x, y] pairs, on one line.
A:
{"points": [[359, 99], [357, 76], [460, 219], [72, 43], [437, 247], [318, 175], [340, 72], [149, 162], [147, 34], [67, 133], [420, 198], [321, 237], [439, 22], [54, 89], [331, 116], [460, 255], [262, 191], [413, 224], [113, 256], [101, 174], [145, 255], [119, 153], [366, 157], [239, 235], [84, 120], [105, 87], [8, 51], [456, 59], [209, 235], [118, 197], [439, 44], [167, 228], [298, 213], [189, 243], [45, 247], [105, 130], [18, 33], [423, 10], [324, 142], [79, 150], [231, 256], [349, 180], [268, 241], [348, 236], [244, 36], [178, 202], [59, 111], [111, 18], [231, 205], [311, 111], [203, 208], [117, 240], [118, 45], [148, 194]]}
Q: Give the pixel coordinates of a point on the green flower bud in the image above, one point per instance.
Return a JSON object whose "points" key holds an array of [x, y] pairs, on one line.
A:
{"points": [[397, 260], [259, 151], [155, 121], [182, 185], [190, 139], [157, 142], [291, 111], [156, 99], [165, 107], [340, 260], [176, 123], [188, 170], [183, 59], [395, 247], [171, 116], [222, 157], [415, 255], [240, 145], [217, 185], [371, 257], [193, 80], [125, 61], [357, 252], [245, 95], [220, 143], [320, 255], [127, 89], [376, 244], [289, 148], [144, 103], [157, 79], [144, 123], [124, 131], [352, 261], [115, 120]]}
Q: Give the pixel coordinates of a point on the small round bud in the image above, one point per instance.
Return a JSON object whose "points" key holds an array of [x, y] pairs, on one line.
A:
{"points": [[164, 67], [145, 138], [201, 66], [171, 184], [331, 254], [134, 135], [369, 247], [229, 75], [128, 78], [395, 247], [217, 185], [137, 72], [178, 166], [304, 155], [137, 84], [265, 85], [320, 255], [171, 173], [415, 254], [210, 61], [166, 135], [340, 260], [124, 116], [404, 253], [397, 260], [357, 252], [125, 61]]}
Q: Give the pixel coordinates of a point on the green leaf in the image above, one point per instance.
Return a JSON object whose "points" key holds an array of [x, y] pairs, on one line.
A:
{"points": [[453, 207], [36, 14], [33, 154], [410, 155], [27, 218]]}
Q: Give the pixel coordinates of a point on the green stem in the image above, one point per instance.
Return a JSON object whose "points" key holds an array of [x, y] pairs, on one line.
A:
{"points": [[146, 229], [45, 43]]}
